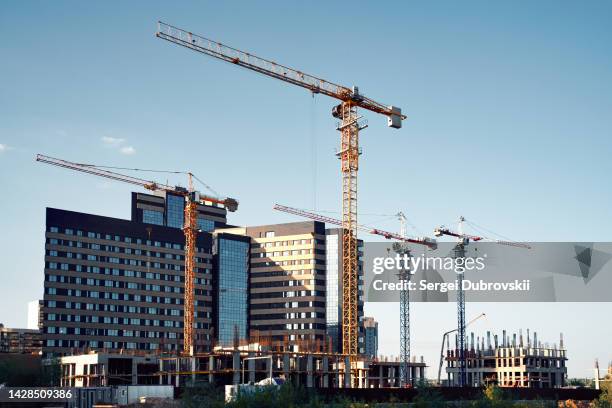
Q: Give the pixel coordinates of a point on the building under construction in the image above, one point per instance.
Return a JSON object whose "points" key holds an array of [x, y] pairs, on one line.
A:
{"points": [[232, 366], [510, 362]]}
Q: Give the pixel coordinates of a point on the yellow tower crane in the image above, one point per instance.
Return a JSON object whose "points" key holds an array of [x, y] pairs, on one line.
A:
{"points": [[349, 127], [190, 225]]}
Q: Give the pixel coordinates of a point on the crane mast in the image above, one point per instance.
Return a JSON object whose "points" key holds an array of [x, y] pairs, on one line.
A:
{"points": [[350, 100], [404, 275]]}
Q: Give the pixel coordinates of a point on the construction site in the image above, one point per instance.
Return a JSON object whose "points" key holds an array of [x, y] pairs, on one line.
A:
{"points": [[179, 297], [224, 351]]}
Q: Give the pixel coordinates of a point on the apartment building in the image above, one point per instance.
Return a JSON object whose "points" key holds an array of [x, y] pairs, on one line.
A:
{"points": [[22, 341]]}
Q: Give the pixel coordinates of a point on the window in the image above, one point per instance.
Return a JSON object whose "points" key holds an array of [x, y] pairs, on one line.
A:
{"points": [[174, 211], [269, 234], [205, 224]]}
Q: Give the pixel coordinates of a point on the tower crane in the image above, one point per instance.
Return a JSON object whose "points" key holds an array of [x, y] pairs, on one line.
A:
{"points": [[429, 242], [463, 240], [349, 127], [190, 225], [404, 275]]}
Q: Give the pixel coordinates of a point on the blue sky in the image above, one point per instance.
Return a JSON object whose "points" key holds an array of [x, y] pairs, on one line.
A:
{"points": [[509, 120]]}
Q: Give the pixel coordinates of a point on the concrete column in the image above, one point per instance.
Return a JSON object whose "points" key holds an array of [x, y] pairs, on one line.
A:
{"points": [[211, 368], [160, 369], [286, 363], [309, 379], [325, 367], [347, 372], [193, 369], [134, 372], [251, 368], [236, 367]]}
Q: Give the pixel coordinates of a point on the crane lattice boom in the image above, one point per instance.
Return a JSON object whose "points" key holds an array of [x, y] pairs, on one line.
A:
{"points": [[270, 68], [431, 243]]}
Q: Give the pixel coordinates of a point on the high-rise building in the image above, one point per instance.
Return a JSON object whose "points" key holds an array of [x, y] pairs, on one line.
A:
{"points": [[333, 312], [287, 283], [370, 329], [119, 284], [35, 316]]}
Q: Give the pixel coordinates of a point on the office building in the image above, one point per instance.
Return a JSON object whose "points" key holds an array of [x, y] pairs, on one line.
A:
{"points": [[370, 329], [119, 284], [333, 312], [287, 283]]}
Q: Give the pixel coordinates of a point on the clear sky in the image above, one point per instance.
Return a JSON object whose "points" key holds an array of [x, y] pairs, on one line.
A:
{"points": [[510, 121]]}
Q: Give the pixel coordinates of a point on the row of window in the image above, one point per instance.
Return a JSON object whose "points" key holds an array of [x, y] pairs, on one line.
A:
{"points": [[287, 283], [116, 238], [287, 305], [288, 294], [286, 316], [114, 250], [86, 331], [118, 296], [294, 252], [290, 262], [285, 272], [158, 311], [64, 343], [116, 272], [119, 261], [115, 320], [291, 326], [284, 243]]}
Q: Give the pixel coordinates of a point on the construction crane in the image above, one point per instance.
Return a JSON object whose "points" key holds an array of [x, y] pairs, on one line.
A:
{"points": [[404, 275], [445, 339], [349, 127], [459, 252], [429, 242], [190, 225]]}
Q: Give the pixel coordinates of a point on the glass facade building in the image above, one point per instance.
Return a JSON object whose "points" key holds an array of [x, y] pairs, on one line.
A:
{"points": [[232, 286]]}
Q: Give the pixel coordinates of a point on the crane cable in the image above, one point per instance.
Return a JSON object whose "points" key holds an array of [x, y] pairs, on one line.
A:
{"points": [[155, 171]]}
